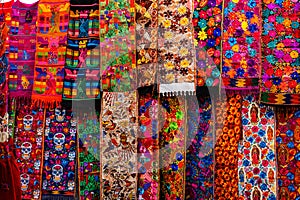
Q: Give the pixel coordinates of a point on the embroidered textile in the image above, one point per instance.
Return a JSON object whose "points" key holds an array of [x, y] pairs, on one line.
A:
{"points": [[117, 36], [175, 46], [172, 147], [147, 35], [59, 153], [280, 51], [257, 163], [199, 153], [148, 145], [29, 150], [118, 150], [82, 70], [287, 152], [89, 156], [228, 124], [52, 26], [22, 44], [207, 20], [241, 44]]}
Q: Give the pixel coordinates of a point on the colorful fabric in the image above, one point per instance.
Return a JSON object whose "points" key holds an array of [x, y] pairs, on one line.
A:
{"points": [[147, 35], [199, 179], [82, 70], [172, 147], [287, 152], [52, 27], [228, 132], [241, 44], [117, 42], [29, 150], [280, 52], [119, 145], [148, 145], [59, 154], [257, 163], [89, 156], [22, 44], [175, 46], [207, 20]]}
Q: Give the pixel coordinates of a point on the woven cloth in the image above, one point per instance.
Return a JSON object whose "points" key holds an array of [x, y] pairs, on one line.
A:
{"points": [[257, 162], [241, 44], [280, 51], [118, 53], [287, 152], [59, 154], [82, 70], [89, 156], [176, 50], [29, 150], [146, 41], [207, 19], [22, 44], [172, 147], [52, 27], [228, 133], [148, 144], [199, 179], [118, 150]]}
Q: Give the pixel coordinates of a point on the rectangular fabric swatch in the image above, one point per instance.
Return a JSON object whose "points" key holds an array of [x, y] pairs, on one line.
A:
{"points": [[119, 145]]}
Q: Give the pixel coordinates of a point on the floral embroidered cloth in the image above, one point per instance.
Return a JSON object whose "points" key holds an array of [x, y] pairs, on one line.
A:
{"points": [[117, 44], [82, 69], [22, 44], [60, 143], [280, 51], [241, 44], [148, 144], [199, 178], [172, 147], [119, 145], [29, 150], [207, 19], [257, 162], [287, 152], [52, 27], [176, 51]]}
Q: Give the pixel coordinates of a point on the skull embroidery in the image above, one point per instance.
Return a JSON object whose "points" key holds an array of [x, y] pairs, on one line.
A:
{"points": [[57, 172], [48, 120], [47, 131], [60, 115], [26, 150], [39, 141], [71, 185], [37, 164], [36, 194], [39, 131], [47, 154], [73, 122], [27, 121], [24, 181], [59, 140], [45, 184], [73, 131], [72, 155]]}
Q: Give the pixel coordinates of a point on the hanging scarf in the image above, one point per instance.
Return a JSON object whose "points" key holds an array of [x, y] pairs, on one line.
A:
{"points": [[257, 164], [117, 36], [146, 34], [118, 150], [199, 153], [207, 20], [148, 144], [281, 49], [52, 27], [175, 46], [82, 70], [89, 156], [172, 147], [59, 154], [29, 150], [228, 131], [22, 41], [287, 152], [241, 44]]}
